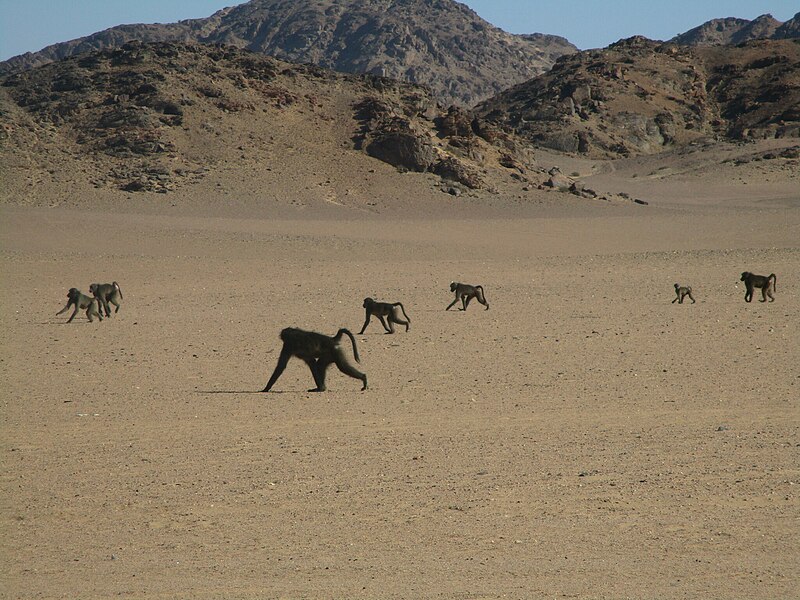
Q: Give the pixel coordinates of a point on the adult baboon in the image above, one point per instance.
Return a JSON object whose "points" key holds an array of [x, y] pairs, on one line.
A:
{"points": [[767, 285], [465, 293], [681, 291], [318, 351], [81, 302], [384, 309], [105, 293]]}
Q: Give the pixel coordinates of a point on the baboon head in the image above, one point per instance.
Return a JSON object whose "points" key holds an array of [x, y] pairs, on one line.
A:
{"points": [[368, 302], [453, 286], [745, 275], [73, 293]]}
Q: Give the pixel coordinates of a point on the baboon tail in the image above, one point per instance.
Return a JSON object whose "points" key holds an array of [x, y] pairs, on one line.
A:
{"points": [[119, 290], [483, 296], [774, 282], [404, 311], [338, 337]]}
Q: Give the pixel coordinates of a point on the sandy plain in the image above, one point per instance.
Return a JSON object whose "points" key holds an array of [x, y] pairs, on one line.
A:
{"points": [[584, 438]]}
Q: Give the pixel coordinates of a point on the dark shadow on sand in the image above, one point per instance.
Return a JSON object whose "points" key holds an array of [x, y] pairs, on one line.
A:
{"points": [[232, 392]]}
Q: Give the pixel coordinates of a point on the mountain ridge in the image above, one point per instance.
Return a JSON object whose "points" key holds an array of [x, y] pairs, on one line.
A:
{"points": [[439, 43], [733, 30]]}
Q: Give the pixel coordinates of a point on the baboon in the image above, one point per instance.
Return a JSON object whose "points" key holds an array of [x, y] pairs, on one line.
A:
{"points": [[767, 284], [318, 351], [384, 309], [81, 302], [681, 292], [465, 293], [105, 293]]}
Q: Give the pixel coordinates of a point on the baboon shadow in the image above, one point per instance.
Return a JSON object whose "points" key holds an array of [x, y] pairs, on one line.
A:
{"points": [[396, 331], [232, 392]]}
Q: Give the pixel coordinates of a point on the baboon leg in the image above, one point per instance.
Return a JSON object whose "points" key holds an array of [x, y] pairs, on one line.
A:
{"points": [[676, 299], [74, 312], [748, 295], [465, 300], [389, 328], [319, 378], [346, 368], [115, 302], [691, 297], [104, 306], [364, 328], [321, 368], [452, 303], [769, 293], [398, 320], [283, 360], [92, 310]]}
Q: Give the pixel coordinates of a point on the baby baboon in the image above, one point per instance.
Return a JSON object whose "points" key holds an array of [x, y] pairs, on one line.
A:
{"points": [[81, 302], [384, 309], [318, 351], [767, 285], [105, 293], [681, 292], [465, 293]]}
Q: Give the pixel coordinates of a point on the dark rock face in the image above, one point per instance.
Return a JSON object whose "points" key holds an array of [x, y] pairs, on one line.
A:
{"points": [[639, 96], [401, 149], [438, 43]]}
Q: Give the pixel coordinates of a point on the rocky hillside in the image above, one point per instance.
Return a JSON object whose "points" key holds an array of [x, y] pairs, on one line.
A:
{"points": [[438, 43], [737, 31], [639, 97], [153, 117]]}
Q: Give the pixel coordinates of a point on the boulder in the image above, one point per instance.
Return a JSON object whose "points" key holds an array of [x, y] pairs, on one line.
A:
{"points": [[452, 169], [402, 149]]}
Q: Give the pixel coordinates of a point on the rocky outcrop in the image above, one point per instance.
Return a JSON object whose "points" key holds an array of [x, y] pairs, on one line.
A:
{"points": [[453, 144], [639, 97]]}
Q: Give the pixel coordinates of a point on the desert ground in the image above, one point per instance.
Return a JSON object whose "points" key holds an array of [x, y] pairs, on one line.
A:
{"points": [[583, 438]]}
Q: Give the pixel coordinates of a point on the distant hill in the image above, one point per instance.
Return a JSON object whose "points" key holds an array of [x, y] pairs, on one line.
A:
{"points": [[439, 43], [154, 117], [737, 31], [639, 97]]}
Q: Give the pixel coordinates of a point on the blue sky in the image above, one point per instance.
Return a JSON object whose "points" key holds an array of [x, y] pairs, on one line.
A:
{"points": [[29, 25]]}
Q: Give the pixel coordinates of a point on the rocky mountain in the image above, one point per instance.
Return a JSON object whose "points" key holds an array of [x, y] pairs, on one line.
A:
{"points": [[439, 43], [789, 30], [737, 31], [640, 97], [154, 117]]}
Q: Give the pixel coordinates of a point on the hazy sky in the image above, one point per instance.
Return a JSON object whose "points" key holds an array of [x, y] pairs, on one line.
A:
{"points": [[29, 25]]}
